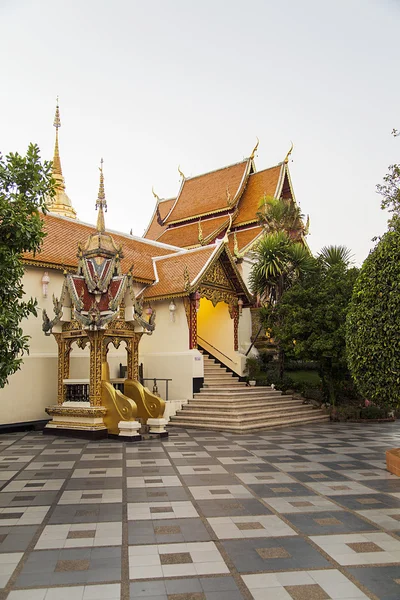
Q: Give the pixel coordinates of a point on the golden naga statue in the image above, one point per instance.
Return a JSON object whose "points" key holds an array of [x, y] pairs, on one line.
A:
{"points": [[136, 402]]}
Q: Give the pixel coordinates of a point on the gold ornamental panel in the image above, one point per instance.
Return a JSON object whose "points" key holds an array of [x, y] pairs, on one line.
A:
{"points": [[217, 276]]}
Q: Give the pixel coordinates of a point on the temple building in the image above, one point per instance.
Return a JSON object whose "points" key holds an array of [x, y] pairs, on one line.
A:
{"points": [[187, 278]]}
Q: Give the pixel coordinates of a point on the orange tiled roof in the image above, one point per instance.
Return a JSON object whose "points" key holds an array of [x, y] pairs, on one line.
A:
{"points": [[207, 193], [60, 247], [187, 235], [258, 184], [154, 230], [244, 237], [170, 271]]}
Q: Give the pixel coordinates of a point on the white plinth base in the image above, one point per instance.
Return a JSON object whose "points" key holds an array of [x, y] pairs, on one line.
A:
{"points": [[157, 425], [129, 428]]}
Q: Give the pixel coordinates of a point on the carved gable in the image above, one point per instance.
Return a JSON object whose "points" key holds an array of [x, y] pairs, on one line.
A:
{"points": [[217, 277]]}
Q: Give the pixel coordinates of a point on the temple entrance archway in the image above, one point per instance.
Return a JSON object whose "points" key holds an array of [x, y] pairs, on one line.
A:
{"points": [[216, 331]]}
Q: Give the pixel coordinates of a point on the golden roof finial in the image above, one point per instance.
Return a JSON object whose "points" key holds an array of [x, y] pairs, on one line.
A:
{"points": [[228, 196], [288, 154], [180, 172], [101, 202], [235, 245], [227, 232], [155, 195], [200, 236], [254, 149], [186, 279]]}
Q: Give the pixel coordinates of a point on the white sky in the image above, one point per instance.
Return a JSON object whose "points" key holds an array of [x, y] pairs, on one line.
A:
{"points": [[150, 85]]}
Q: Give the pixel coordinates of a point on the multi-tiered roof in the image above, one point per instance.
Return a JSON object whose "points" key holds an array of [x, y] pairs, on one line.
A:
{"points": [[225, 201]]}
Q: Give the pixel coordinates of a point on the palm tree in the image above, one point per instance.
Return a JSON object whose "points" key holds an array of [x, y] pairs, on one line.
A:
{"points": [[335, 255], [277, 214], [278, 263]]}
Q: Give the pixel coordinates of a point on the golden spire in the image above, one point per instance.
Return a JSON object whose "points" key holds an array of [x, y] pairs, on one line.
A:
{"points": [[57, 172], [288, 154], [101, 202], [254, 149], [59, 203]]}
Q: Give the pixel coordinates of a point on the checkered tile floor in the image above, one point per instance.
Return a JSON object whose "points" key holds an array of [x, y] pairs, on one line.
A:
{"points": [[305, 513]]}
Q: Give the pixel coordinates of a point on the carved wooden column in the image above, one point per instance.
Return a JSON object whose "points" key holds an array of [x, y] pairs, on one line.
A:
{"points": [[64, 351], [236, 329], [193, 323], [96, 356], [132, 347], [234, 314]]}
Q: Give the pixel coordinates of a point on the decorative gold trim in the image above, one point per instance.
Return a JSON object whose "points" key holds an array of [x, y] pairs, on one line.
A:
{"points": [[206, 214], [245, 223], [47, 265], [216, 296], [76, 411]]}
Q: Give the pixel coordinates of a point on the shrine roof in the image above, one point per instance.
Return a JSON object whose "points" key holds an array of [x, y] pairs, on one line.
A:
{"points": [[154, 230], [258, 184], [60, 247], [245, 238], [208, 193], [187, 235], [170, 270]]}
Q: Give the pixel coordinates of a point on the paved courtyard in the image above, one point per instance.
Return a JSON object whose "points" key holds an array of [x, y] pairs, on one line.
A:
{"points": [[305, 513]]}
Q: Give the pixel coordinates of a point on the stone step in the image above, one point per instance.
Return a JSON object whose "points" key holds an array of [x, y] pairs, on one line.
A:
{"points": [[246, 427], [222, 378], [243, 404], [243, 415], [239, 391], [223, 385]]}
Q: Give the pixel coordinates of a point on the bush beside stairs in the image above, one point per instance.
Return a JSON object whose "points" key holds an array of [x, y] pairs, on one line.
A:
{"points": [[226, 404]]}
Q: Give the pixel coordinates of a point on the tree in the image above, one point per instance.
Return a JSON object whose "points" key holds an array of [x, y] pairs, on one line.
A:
{"points": [[390, 190], [279, 262], [373, 323], [309, 321], [277, 214], [25, 187], [335, 255]]}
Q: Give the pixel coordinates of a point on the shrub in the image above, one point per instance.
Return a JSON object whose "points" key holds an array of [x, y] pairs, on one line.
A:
{"points": [[373, 323]]}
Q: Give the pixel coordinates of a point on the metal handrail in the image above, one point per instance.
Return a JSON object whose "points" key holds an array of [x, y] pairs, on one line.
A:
{"points": [[254, 341], [232, 361], [155, 387]]}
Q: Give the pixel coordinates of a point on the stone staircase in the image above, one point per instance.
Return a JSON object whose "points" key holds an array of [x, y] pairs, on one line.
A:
{"points": [[227, 404]]}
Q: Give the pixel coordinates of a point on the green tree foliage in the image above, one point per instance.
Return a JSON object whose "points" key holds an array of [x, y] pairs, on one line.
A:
{"points": [[335, 255], [25, 186], [390, 190], [278, 263], [373, 323], [277, 214], [309, 321]]}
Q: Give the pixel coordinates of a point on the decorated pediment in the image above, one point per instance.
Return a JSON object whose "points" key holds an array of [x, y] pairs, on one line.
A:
{"points": [[217, 277]]}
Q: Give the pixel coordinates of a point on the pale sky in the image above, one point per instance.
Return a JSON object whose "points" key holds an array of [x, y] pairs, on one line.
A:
{"points": [[152, 85]]}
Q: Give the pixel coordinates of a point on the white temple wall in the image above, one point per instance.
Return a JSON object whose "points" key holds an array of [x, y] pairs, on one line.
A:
{"points": [[34, 387], [166, 354]]}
